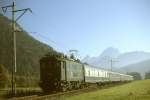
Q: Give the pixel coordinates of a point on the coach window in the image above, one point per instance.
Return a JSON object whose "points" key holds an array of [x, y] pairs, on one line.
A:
{"points": [[89, 73], [64, 64]]}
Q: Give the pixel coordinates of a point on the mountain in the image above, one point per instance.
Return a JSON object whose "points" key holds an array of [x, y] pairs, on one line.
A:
{"points": [[103, 60], [110, 52], [132, 58], [118, 59], [140, 67], [29, 50]]}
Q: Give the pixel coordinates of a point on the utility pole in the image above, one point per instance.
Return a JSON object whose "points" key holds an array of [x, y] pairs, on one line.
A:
{"points": [[14, 20], [111, 60], [111, 63]]}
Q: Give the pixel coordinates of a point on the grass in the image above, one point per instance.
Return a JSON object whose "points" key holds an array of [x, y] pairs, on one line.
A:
{"points": [[6, 93], [137, 90]]}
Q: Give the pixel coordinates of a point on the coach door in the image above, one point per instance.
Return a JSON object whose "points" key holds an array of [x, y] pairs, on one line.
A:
{"points": [[63, 70]]}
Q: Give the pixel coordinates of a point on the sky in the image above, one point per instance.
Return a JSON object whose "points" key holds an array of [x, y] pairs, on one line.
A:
{"points": [[89, 26]]}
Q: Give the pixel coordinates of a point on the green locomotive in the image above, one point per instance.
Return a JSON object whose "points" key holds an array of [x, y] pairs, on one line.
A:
{"points": [[58, 73]]}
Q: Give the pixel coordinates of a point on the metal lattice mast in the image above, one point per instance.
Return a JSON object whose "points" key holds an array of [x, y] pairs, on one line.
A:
{"points": [[111, 63], [14, 50], [14, 20]]}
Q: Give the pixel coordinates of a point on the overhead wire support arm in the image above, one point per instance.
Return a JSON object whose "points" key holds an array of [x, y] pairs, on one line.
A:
{"points": [[4, 9], [14, 67], [24, 11]]}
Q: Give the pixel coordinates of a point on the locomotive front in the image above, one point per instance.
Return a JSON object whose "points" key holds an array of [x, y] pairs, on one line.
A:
{"points": [[49, 73]]}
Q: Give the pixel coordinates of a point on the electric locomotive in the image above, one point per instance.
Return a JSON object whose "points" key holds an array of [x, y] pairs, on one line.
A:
{"points": [[58, 73]]}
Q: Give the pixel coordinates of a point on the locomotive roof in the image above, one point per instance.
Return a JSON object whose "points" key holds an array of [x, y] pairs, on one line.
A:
{"points": [[60, 57]]}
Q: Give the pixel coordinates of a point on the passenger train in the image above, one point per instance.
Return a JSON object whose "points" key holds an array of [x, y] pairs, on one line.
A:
{"points": [[60, 73]]}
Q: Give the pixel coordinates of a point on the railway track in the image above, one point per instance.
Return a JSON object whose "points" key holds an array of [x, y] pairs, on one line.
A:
{"points": [[58, 96], [55, 96]]}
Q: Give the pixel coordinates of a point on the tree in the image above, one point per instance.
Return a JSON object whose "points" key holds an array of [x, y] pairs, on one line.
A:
{"points": [[136, 75], [3, 77], [147, 75], [72, 56]]}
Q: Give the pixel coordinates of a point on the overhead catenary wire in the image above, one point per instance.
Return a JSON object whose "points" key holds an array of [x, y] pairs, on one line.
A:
{"points": [[111, 60], [2, 3], [48, 40], [44, 37], [52, 42]]}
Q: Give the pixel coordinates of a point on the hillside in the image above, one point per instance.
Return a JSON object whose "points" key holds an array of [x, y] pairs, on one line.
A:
{"points": [[134, 57], [29, 50], [140, 67]]}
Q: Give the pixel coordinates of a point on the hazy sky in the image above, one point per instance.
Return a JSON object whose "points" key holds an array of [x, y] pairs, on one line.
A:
{"points": [[89, 26]]}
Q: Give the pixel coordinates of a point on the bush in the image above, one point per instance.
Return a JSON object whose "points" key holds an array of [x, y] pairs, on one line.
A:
{"points": [[147, 75], [3, 77], [136, 75]]}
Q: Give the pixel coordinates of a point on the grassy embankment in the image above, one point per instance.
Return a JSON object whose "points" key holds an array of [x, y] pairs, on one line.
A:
{"points": [[137, 90], [5, 93]]}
